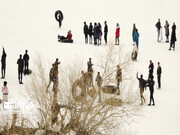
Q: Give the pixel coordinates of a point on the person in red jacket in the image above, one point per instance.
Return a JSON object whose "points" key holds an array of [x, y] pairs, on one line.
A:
{"points": [[117, 34], [67, 39]]}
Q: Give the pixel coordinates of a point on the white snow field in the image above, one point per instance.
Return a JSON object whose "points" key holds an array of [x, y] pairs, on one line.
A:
{"points": [[30, 24]]}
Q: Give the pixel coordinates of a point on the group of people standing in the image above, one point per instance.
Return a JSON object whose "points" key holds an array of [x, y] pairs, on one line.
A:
{"points": [[150, 82], [173, 33], [96, 32]]}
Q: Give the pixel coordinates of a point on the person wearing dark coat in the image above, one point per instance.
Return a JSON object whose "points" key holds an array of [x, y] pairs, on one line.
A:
{"points": [[90, 33], [173, 37], [151, 89], [26, 62], [166, 26], [89, 65], [98, 32], [133, 31], [67, 39], [158, 26], [142, 85], [20, 63], [151, 68], [159, 71], [105, 32], [3, 64], [59, 17], [95, 33], [86, 31]]}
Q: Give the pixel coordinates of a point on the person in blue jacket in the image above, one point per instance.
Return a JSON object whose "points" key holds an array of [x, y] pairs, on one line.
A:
{"points": [[136, 38]]}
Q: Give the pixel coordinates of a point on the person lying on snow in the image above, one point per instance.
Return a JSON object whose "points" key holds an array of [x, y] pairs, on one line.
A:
{"points": [[67, 39]]}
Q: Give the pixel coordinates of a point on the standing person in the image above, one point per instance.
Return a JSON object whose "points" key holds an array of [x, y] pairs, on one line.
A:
{"points": [[142, 85], [136, 38], [90, 33], [3, 64], [5, 91], [117, 34], [86, 32], [20, 63], [89, 65], [100, 34], [118, 77], [159, 71], [50, 76], [173, 37], [166, 26], [99, 83], [133, 31], [26, 62], [151, 68], [151, 89], [95, 33], [105, 31], [158, 26]]}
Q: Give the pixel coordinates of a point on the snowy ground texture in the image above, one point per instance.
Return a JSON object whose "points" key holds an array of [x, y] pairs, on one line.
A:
{"points": [[30, 24]]}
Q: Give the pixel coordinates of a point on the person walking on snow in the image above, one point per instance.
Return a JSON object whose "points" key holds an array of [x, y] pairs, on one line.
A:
{"points": [[26, 62], [105, 32], [151, 89], [166, 26], [86, 32], [3, 64], [99, 83], [136, 38], [142, 85], [20, 63], [50, 76], [100, 33], [159, 72], [133, 31], [158, 26], [90, 33], [117, 34], [151, 68], [173, 37]]}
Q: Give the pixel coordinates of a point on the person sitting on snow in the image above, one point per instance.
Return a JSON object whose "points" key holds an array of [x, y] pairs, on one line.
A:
{"points": [[67, 39]]}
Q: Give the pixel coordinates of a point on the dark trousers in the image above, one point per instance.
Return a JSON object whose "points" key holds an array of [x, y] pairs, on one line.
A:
{"points": [[151, 96], [167, 38], [150, 75], [26, 71], [90, 39], [117, 41], [159, 81], [60, 24], [3, 71], [105, 37], [86, 38], [20, 72], [95, 39]]}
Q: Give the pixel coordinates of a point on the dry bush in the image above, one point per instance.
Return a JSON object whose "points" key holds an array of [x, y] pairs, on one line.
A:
{"points": [[59, 113]]}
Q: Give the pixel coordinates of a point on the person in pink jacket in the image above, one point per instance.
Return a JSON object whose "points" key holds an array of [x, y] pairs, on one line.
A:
{"points": [[5, 91], [117, 34]]}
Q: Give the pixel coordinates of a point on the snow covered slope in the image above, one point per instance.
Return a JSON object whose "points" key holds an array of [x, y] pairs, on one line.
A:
{"points": [[30, 24]]}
